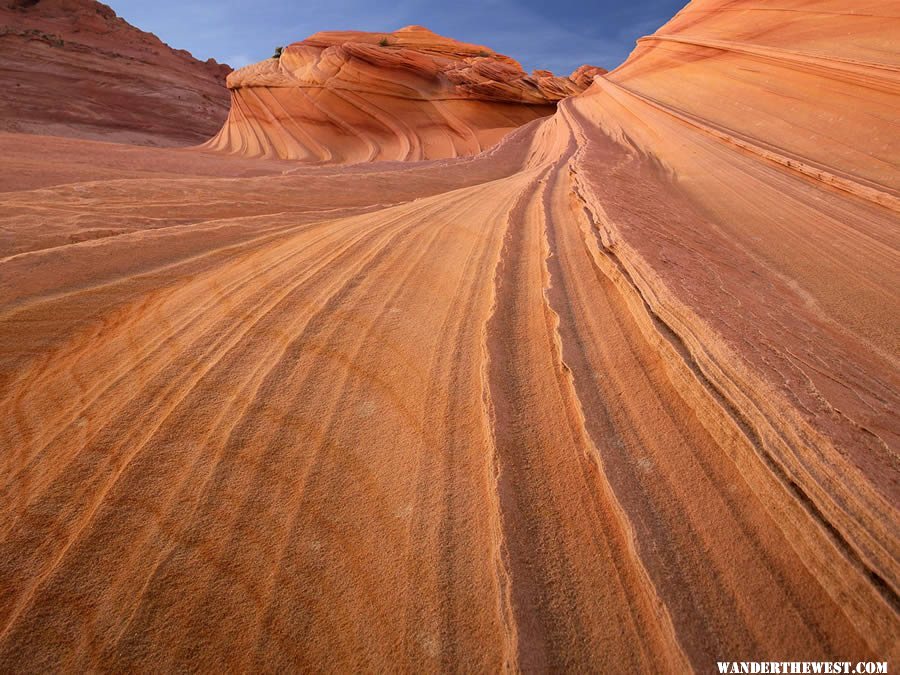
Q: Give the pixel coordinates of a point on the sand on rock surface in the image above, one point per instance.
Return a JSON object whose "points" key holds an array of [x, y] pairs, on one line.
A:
{"points": [[617, 394]]}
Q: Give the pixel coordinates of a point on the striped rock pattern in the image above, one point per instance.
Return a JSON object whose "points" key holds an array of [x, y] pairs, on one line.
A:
{"points": [[618, 394], [343, 97]]}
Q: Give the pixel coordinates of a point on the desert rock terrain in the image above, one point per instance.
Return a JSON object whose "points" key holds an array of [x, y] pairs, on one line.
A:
{"points": [[350, 96], [614, 390], [74, 68]]}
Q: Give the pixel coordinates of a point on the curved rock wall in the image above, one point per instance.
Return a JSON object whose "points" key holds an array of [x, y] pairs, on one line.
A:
{"points": [[409, 95], [618, 395]]}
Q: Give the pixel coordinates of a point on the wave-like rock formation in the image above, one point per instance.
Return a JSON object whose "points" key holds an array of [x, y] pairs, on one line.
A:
{"points": [[343, 97], [73, 68], [619, 394]]}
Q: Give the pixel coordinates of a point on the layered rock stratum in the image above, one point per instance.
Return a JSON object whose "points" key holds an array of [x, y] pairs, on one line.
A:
{"points": [[618, 394], [350, 96], [74, 68]]}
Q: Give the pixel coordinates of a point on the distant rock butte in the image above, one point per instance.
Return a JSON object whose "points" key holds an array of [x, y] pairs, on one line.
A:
{"points": [[352, 96], [74, 68]]}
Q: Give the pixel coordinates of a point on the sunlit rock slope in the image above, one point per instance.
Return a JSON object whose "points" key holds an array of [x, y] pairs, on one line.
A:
{"points": [[618, 394]]}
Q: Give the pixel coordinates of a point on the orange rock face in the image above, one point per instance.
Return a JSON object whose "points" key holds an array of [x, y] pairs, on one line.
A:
{"points": [[740, 175], [73, 68], [348, 96], [618, 394]]}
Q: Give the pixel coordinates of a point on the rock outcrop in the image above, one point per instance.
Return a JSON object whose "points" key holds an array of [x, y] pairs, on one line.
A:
{"points": [[740, 172], [810, 85], [353, 96], [619, 394], [74, 68]]}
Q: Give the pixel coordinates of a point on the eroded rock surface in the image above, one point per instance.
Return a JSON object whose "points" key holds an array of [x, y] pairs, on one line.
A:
{"points": [[618, 394], [74, 68], [341, 97]]}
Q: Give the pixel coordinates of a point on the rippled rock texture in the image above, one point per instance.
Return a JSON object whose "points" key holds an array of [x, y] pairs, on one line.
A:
{"points": [[342, 97], [73, 68], [619, 394]]}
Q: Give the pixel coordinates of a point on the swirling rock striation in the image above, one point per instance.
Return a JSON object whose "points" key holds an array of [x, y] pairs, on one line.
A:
{"points": [[618, 394], [748, 204], [350, 96]]}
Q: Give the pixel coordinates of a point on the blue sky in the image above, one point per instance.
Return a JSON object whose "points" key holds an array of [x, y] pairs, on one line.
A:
{"points": [[558, 35]]}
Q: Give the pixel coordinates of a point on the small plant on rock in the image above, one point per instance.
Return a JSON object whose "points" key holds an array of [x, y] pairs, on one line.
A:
{"points": [[277, 54]]}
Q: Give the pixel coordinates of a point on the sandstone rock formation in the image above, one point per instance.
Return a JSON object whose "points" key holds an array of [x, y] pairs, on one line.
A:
{"points": [[740, 179], [73, 68], [412, 94], [619, 394]]}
